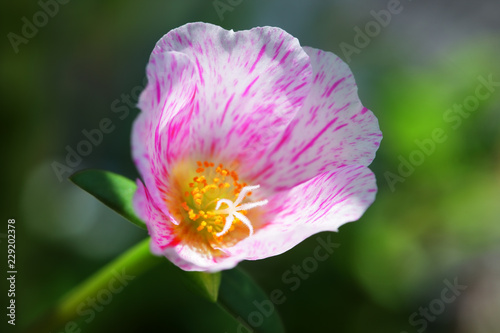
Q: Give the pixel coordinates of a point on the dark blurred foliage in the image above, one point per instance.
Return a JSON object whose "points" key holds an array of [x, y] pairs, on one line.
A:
{"points": [[440, 224]]}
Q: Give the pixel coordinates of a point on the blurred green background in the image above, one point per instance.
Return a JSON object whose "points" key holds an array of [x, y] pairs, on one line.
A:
{"points": [[437, 213]]}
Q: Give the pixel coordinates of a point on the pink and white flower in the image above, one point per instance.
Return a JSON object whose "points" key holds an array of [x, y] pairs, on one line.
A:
{"points": [[247, 144]]}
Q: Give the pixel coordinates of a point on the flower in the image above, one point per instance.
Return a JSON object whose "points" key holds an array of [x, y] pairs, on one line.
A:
{"points": [[247, 144]]}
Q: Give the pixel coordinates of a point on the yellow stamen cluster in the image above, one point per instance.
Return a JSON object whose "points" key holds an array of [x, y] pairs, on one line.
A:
{"points": [[203, 191]]}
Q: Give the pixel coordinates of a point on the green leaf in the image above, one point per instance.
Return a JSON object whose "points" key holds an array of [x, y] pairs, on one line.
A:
{"points": [[114, 190], [204, 284], [241, 296]]}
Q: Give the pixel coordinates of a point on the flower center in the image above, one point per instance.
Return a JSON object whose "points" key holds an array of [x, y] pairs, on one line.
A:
{"points": [[214, 202]]}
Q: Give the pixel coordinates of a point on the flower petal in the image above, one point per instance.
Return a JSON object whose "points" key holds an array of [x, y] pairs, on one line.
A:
{"points": [[189, 259], [331, 130], [170, 90], [158, 224], [250, 84], [289, 116], [323, 203]]}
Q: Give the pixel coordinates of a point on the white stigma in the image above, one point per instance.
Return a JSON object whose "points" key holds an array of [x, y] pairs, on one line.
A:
{"points": [[233, 209]]}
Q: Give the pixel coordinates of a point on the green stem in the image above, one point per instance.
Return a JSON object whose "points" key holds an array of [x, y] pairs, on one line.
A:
{"points": [[133, 263]]}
